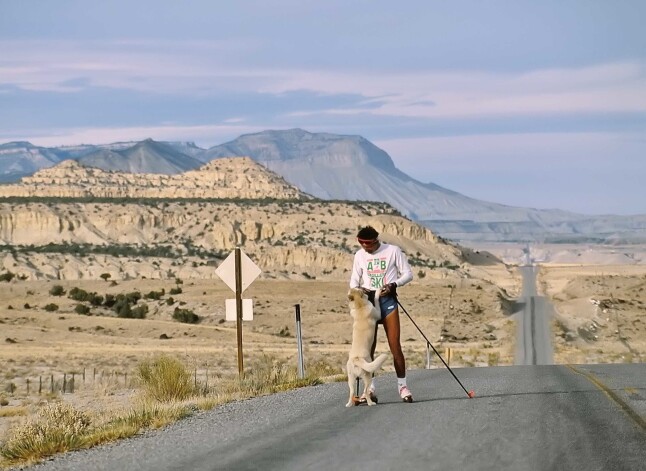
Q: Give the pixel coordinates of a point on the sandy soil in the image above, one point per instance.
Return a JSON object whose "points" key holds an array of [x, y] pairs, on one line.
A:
{"points": [[462, 313], [599, 318], [600, 312]]}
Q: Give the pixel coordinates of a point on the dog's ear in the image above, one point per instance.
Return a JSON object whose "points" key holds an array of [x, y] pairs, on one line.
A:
{"points": [[350, 295]]}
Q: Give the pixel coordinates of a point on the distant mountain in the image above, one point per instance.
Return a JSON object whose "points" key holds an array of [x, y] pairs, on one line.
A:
{"points": [[331, 166], [143, 157], [19, 159], [23, 158], [342, 167]]}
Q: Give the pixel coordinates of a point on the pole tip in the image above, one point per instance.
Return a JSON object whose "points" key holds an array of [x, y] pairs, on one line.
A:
{"points": [[472, 394]]}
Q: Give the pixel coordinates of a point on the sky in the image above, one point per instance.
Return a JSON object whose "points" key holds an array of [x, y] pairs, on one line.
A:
{"points": [[527, 103]]}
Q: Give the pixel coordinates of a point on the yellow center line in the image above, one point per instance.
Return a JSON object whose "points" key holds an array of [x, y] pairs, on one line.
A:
{"points": [[639, 420]]}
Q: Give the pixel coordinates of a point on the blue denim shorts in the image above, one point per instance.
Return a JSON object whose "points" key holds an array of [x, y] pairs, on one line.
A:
{"points": [[387, 304]]}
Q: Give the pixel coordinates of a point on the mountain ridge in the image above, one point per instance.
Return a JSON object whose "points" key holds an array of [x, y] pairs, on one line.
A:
{"points": [[340, 167]]}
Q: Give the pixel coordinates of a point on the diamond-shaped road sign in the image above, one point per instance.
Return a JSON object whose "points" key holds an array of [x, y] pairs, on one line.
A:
{"points": [[227, 271]]}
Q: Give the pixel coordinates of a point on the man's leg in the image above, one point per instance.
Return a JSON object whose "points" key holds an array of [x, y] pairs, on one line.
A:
{"points": [[391, 326]]}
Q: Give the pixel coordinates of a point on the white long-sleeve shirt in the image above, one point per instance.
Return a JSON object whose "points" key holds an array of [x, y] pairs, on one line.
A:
{"points": [[373, 271]]}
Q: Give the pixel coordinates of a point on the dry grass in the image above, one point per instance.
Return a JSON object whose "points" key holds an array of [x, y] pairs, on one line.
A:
{"points": [[166, 395], [13, 411], [166, 379]]}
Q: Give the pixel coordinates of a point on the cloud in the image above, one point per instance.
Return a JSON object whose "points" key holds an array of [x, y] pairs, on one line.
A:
{"points": [[606, 88], [203, 68]]}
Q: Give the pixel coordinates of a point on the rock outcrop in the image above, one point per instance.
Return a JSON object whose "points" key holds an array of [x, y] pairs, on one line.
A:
{"points": [[237, 178], [63, 240]]}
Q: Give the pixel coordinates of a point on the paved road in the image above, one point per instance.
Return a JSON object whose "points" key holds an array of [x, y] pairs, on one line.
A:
{"points": [[534, 336], [523, 418]]}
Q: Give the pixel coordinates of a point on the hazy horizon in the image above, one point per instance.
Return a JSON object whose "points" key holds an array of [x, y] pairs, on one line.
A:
{"points": [[530, 104]]}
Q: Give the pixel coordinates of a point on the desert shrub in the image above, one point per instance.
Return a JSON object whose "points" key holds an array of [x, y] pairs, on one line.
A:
{"points": [[78, 294], [56, 428], [122, 308], [170, 301], [8, 276], [105, 276], [176, 290], [81, 309], [132, 297], [57, 290], [95, 299], [27, 306], [156, 295], [109, 301], [51, 307], [421, 274], [165, 379], [185, 315], [139, 312]]}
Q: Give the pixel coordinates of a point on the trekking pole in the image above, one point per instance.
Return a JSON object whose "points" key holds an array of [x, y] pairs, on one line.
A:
{"points": [[471, 393]]}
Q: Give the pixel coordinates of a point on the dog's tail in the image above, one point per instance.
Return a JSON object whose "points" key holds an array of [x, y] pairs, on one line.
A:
{"points": [[372, 366]]}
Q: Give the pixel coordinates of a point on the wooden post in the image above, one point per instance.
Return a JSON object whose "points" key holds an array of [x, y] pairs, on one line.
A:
{"points": [[40, 384], [238, 273]]}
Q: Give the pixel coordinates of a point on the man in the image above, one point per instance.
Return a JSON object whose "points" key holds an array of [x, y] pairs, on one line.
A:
{"points": [[384, 267]]}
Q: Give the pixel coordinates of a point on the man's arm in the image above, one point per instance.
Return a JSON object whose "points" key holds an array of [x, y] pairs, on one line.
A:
{"points": [[403, 268]]}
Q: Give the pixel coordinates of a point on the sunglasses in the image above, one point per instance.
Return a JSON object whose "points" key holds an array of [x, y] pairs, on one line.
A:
{"points": [[368, 243]]}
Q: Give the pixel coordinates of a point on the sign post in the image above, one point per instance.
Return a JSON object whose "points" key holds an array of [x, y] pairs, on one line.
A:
{"points": [[238, 271], [239, 311]]}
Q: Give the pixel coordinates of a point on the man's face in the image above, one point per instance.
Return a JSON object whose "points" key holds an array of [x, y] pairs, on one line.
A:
{"points": [[369, 245]]}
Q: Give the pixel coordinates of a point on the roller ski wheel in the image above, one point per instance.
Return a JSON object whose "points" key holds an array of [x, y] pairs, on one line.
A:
{"points": [[405, 394], [358, 400]]}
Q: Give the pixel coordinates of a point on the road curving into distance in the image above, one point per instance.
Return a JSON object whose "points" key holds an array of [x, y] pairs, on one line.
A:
{"points": [[534, 417]]}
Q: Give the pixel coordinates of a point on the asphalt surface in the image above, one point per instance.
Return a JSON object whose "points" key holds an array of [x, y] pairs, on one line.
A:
{"points": [[534, 336], [586, 417]]}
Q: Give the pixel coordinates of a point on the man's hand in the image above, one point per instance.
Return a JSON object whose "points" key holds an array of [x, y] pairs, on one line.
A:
{"points": [[388, 289]]}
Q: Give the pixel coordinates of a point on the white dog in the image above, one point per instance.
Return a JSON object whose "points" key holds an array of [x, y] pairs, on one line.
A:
{"points": [[359, 364]]}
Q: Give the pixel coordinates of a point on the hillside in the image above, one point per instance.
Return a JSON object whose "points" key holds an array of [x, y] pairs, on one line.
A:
{"points": [[224, 178], [73, 222], [341, 167], [350, 167]]}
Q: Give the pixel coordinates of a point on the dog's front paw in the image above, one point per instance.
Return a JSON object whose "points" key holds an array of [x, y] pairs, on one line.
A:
{"points": [[350, 403]]}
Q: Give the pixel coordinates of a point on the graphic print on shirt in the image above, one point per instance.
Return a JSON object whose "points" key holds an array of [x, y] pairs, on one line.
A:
{"points": [[376, 272]]}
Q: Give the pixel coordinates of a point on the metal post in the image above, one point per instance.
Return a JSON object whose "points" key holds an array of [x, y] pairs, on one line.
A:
{"points": [[299, 340], [238, 267], [428, 356]]}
